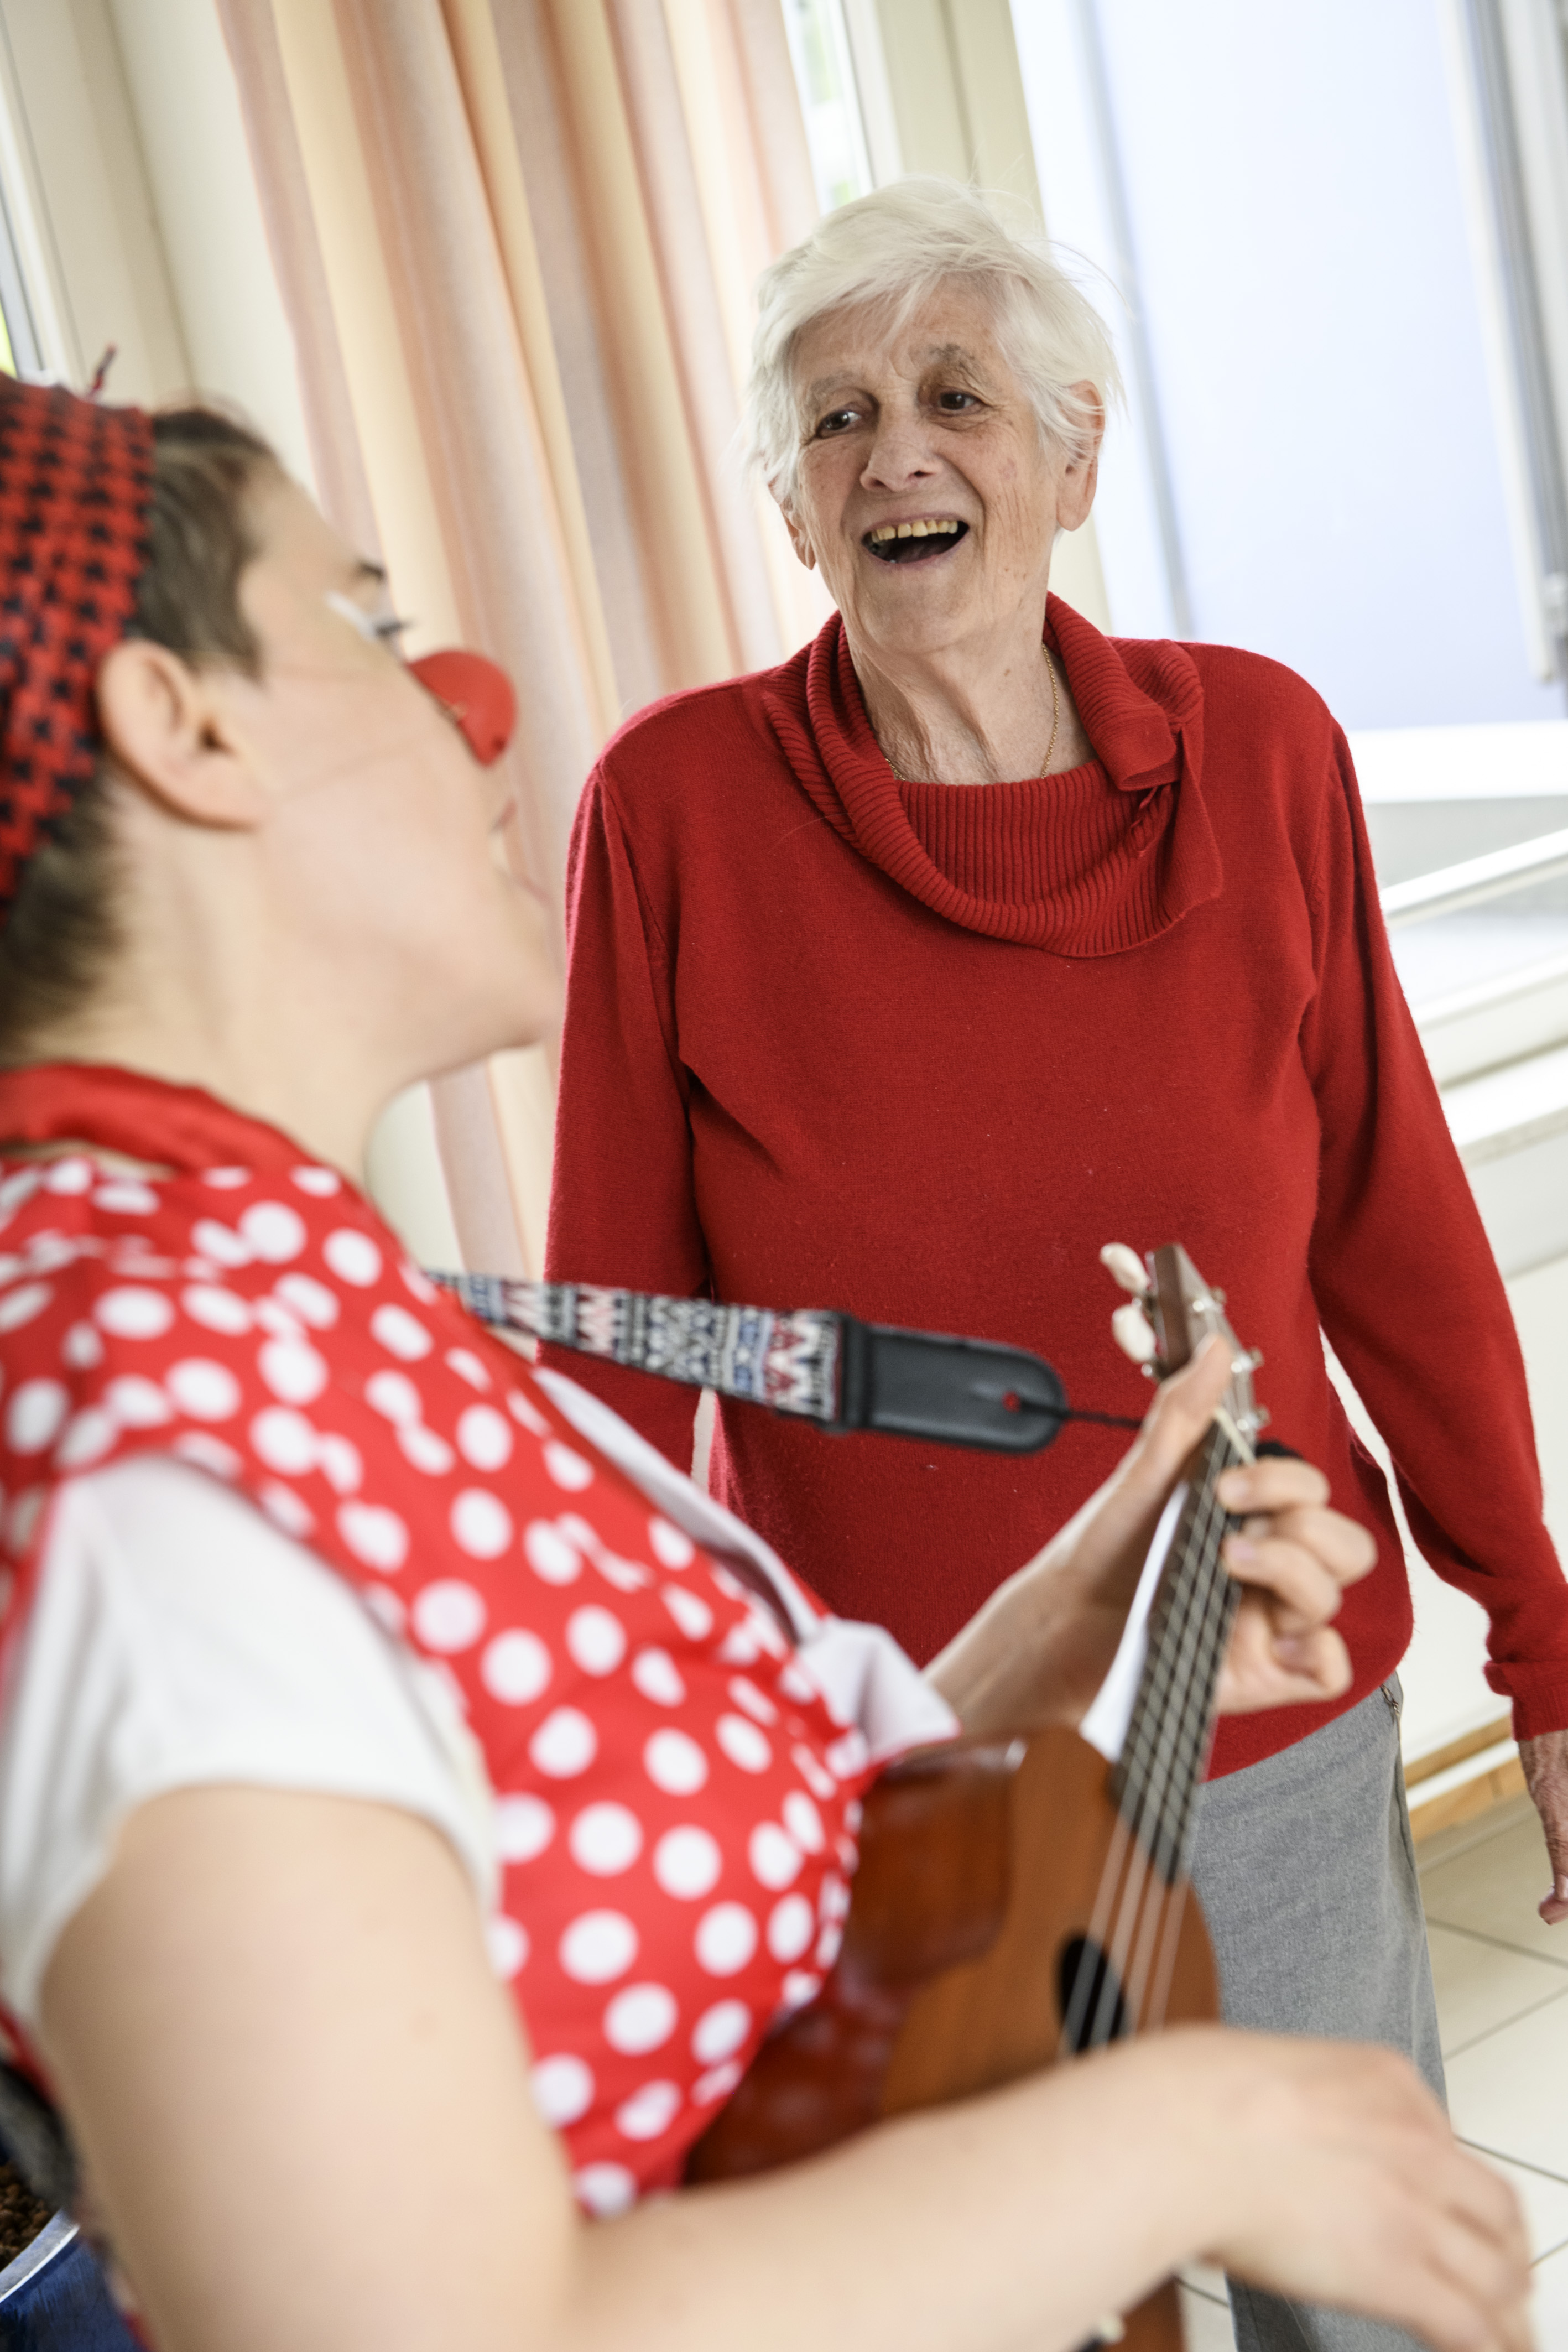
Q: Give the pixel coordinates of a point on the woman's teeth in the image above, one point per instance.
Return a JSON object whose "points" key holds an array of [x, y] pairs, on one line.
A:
{"points": [[910, 531]]}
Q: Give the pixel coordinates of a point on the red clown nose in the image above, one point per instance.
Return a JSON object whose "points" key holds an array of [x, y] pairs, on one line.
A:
{"points": [[476, 696]]}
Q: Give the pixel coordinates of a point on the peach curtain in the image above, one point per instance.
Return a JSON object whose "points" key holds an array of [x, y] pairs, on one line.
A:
{"points": [[517, 240]]}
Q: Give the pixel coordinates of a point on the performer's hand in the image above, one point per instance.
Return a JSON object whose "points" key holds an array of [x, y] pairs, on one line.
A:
{"points": [[1545, 1762]]}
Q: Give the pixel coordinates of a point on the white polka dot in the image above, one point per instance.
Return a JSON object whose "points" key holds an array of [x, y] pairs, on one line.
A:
{"points": [[687, 1863], [550, 1554], [207, 1452], [640, 2018], [508, 1942], [219, 1243], [339, 1462], [283, 1508], [22, 1517], [562, 2089], [744, 1743], [278, 1322], [293, 1370], [803, 1821], [449, 1616], [848, 1756], [483, 1437], [567, 1468], [648, 2113], [418, 1281], [215, 1309], [275, 1232], [89, 1436], [720, 2031], [522, 1408], [774, 1855], [516, 1668], [833, 1899], [791, 1925], [137, 1403], [352, 1256], [716, 2084], [623, 1574], [599, 1947], [745, 1695], [374, 1535], [285, 1441], [565, 1744], [797, 1684], [821, 1783], [19, 1188], [21, 1306], [481, 1524], [596, 1640], [467, 1367], [692, 1614], [425, 1450], [830, 1944], [128, 1314], [124, 1199], [309, 1299], [800, 1985], [606, 1840], [674, 1763], [524, 1827], [70, 1176], [35, 1415], [386, 1608], [226, 1180], [207, 1391], [394, 1397], [401, 1333], [658, 1678], [673, 1548], [725, 1939], [605, 2190], [320, 1182]]}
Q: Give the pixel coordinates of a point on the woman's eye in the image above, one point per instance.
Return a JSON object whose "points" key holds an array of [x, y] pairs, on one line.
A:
{"points": [[837, 420], [955, 403]]}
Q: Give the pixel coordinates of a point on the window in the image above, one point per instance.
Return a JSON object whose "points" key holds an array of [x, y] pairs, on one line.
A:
{"points": [[824, 64]]}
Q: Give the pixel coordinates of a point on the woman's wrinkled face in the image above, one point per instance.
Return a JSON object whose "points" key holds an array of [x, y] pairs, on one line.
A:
{"points": [[924, 493], [385, 840]]}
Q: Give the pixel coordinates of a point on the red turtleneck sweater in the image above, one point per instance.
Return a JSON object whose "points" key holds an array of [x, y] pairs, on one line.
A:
{"points": [[917, 1050]]}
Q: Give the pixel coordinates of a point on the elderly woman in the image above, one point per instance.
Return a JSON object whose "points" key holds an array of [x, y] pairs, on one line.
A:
{"points": [[908, 974], [407, 1826]]}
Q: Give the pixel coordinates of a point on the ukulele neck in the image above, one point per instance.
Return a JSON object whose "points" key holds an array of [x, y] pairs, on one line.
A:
{"points": [[1155, 1785]]}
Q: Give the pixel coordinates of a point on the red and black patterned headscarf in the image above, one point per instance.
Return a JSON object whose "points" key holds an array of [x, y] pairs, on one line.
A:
{"points": [[75, 484]]}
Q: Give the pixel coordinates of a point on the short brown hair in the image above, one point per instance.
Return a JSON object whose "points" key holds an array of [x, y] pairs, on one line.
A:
{"points": [[61, 931]]}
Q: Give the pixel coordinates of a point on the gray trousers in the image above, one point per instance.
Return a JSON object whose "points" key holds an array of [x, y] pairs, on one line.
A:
{"points": [[1306, 1872]]}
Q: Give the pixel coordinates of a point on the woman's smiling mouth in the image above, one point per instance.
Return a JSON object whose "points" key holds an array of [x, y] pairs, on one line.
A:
{"points": [[915, 543]]}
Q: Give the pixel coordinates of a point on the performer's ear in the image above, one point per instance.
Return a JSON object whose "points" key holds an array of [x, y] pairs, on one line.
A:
{"points": [[170, 729]]}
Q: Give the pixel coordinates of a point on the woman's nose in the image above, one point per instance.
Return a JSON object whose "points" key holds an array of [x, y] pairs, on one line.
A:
{"points": [[478, 697], [900, 453]]}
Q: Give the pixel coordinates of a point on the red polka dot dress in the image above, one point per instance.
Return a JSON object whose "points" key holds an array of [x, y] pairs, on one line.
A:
{"points": [[674, 1799]]}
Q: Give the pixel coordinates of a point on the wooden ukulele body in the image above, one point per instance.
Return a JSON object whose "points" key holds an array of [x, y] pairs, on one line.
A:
{"points": [[980, 1871]]}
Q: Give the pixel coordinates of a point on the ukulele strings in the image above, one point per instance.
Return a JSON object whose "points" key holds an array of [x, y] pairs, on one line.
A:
{"points": [[1158, 1773]]}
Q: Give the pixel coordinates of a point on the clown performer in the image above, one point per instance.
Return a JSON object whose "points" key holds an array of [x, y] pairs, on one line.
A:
{"points": [[416, 1799]]}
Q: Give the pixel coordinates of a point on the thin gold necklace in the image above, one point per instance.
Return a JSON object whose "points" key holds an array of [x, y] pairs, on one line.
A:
{"points": [[1055, 723]]}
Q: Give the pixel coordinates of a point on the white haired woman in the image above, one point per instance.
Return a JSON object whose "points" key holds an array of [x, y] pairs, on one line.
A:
{"points": [[906, 975]]}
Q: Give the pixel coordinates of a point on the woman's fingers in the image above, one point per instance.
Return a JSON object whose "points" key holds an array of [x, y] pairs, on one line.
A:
{"points": [[1263, 1668]]}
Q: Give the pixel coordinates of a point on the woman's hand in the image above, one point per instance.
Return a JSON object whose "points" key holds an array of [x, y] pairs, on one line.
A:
{"points": [[1042, 1645]]}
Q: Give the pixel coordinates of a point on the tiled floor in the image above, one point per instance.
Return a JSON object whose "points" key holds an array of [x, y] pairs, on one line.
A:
{"points": [[1502, 2002]]}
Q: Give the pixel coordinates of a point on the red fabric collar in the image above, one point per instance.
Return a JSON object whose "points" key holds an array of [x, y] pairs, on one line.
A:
{"points": [[1142, 707], [182, 1128]]}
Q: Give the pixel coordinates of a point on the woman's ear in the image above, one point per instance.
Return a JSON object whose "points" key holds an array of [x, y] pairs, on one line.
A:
{"points": [[171, 728], [798, 539], [1079, 476]]}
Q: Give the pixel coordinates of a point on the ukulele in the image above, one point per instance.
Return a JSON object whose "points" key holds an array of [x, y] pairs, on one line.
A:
{"points": [[1019, 1901]]}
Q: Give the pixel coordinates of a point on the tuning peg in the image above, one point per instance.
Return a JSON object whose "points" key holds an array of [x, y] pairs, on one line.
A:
{"points": [[1126, 1268], [1132, 1335]]}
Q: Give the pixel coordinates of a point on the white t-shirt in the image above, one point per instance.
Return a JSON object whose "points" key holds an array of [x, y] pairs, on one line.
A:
{"points": [[177, 1640]]}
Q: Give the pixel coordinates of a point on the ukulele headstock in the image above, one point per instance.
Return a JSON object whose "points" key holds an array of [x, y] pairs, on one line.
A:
{"points": [[1172, 1310]]}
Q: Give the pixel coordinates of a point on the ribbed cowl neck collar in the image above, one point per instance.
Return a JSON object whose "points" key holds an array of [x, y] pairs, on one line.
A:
{"points": [[1092, 861]]}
